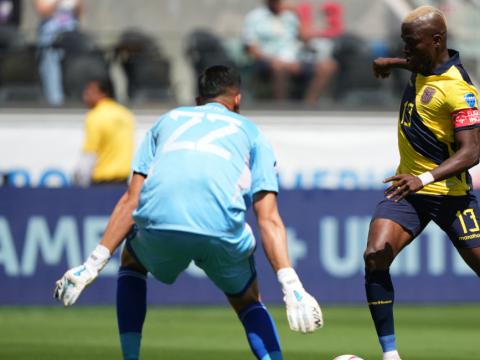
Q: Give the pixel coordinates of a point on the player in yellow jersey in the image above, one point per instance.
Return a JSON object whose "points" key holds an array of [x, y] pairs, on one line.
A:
{"points": [[438, 142], [109, 137]]}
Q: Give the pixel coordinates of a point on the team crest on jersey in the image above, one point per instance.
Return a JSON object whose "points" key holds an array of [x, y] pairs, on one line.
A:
{"points": [[470, 100], [427, 95]]}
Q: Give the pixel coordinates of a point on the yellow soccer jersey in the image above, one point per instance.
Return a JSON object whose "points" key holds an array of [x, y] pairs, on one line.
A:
{"points": [[109, 129], [433, 108]]}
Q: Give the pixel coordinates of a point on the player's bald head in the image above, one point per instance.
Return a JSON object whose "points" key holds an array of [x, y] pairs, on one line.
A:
{"points": [[427, 17]]}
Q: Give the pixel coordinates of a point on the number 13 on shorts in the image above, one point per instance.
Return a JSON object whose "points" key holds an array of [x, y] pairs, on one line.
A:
{"points": [[468, 221]]}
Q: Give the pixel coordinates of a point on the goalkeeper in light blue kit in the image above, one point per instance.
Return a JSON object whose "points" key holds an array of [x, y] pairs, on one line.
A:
{"points": [[194, 176]]}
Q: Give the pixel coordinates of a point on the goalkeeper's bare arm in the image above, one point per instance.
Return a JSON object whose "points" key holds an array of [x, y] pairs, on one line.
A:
{"points": [[74, 281]]}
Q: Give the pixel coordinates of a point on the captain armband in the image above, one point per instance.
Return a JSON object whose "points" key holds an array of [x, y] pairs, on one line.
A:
{"points": [[465, 117]]}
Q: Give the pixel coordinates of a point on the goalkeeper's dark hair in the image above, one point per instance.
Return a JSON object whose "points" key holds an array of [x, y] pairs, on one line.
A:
{"points": [[218, 80]]}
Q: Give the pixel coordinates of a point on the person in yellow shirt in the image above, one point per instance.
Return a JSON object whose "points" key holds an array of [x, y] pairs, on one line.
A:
{"points": [[109, 138]]}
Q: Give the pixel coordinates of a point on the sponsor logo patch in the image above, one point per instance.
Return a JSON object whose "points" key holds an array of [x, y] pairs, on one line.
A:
{"points": [[427, 95], [470, 100]]}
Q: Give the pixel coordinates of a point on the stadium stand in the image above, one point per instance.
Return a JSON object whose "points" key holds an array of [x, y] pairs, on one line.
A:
{"points": [[19, 81], [82, 60], [145, 65]]}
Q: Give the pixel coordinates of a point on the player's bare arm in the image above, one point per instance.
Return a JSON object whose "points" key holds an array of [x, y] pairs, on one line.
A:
{"points": [[382, 67], [272, 230], [69, 287], [303, 312], [121, 219], [466, 156]]}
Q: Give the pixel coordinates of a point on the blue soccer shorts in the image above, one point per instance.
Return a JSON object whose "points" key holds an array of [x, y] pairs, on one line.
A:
{"points": [[458, 216], [228, 262]]}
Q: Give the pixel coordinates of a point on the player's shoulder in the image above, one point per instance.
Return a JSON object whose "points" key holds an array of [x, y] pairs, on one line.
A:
{"points": [[457, 74], [454, 73], [457, 82], [453, 81]]}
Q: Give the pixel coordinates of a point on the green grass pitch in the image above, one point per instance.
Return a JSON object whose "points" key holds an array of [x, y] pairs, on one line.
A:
{"points": [[213, 333]]}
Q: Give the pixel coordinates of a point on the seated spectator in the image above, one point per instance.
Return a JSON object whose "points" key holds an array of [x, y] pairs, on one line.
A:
{"points": [[109, 138], [273, 37], [57, 16]]}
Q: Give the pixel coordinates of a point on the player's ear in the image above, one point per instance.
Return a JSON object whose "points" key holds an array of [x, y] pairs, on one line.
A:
{"points": [[236, 103], [237, 99]]}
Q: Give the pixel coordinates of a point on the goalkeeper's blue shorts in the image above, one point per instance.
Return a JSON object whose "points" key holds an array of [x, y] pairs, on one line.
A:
{"points": [[165, 254]]}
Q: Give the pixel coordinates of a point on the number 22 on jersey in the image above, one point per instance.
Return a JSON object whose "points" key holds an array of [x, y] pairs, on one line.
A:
{"points": [[205, 140]]}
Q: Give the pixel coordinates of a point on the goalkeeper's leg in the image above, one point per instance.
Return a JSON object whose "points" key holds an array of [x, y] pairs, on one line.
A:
{"points": [[131, 304], [259, 326], [233, 272]]}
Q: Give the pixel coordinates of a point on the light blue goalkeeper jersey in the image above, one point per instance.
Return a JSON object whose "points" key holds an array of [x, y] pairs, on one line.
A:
{"points": [[203, 166]]}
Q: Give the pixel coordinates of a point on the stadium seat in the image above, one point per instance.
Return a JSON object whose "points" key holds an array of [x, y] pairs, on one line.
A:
{"points": [[146, 67], [78, 69], [351, 86], [148, 78], [11, 38], [205, 49], [74, 42], [18, 75], [82, 60]]}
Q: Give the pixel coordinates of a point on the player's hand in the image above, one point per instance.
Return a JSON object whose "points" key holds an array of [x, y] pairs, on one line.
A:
{"points": [[72, 283], [381, 68], [403, 185], [303, 312]]}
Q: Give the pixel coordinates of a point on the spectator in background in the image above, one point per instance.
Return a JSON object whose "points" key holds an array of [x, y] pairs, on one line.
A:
{"points": [[109, 138], [57, 16], [273, 38], [10, 11]]}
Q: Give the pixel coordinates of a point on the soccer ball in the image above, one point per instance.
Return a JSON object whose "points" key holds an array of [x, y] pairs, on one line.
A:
{"points": [[348, 357]]}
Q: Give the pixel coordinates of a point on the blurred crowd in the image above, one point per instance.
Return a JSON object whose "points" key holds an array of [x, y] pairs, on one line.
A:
{"points": [[56, 68], [288, 51]]}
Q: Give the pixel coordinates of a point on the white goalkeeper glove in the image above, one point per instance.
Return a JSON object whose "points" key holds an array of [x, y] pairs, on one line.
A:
{"points": [[72, 283], [303, 312]]}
